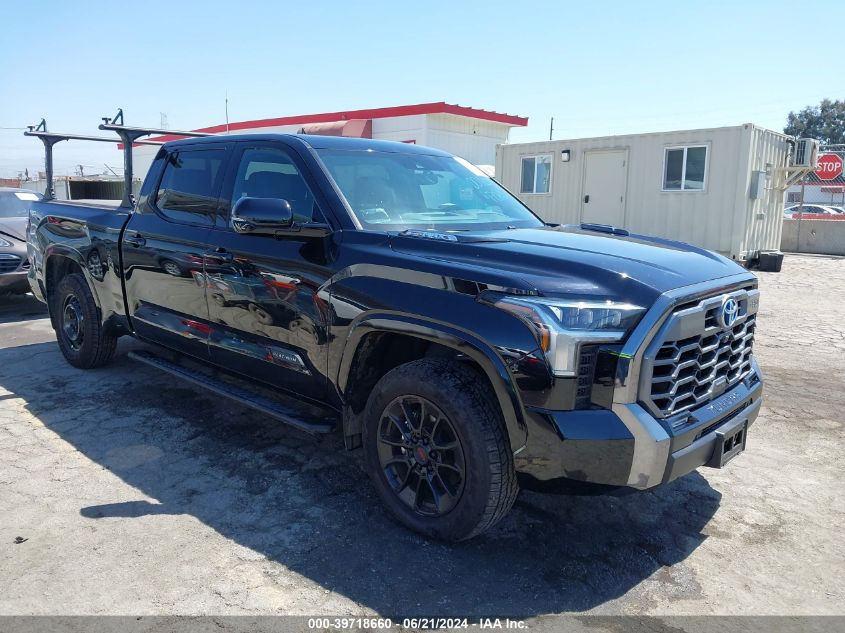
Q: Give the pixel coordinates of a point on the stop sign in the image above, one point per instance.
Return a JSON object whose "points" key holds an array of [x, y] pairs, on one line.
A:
{"points": [[830, 166]]}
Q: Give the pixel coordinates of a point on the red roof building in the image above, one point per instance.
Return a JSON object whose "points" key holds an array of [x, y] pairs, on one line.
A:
{"points": [[471, 133]]}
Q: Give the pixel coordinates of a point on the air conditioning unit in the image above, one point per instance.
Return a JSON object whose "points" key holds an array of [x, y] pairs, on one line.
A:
{"points": [[806, 153]]}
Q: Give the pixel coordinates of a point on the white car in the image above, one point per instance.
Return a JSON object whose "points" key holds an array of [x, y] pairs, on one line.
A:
{"points": [[817, 209]]}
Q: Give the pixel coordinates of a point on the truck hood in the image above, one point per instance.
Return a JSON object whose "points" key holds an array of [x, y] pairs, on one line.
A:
{"points": [[15, 227], [567, 260]]}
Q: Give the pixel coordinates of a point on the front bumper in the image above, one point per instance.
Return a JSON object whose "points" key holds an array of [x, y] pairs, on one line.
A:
{"points": [[14, 282], [13, 268], [626, 446], [699, 447]]}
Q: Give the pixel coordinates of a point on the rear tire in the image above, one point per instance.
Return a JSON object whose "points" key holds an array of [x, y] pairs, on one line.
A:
{"points": [[437, 450], [81, 338]]}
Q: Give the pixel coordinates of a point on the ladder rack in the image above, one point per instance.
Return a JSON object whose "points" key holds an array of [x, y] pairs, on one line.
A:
{"points": [[127, 135]]}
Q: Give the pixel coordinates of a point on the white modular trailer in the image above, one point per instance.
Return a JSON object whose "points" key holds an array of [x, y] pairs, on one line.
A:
{"points": [[718, 188]]}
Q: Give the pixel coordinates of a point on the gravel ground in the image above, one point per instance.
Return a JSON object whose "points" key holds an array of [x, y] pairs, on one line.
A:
{"points": [[135, 494]]}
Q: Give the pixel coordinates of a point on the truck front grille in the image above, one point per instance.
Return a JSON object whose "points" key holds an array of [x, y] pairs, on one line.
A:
{"points": [[696, 356], [9, 263]]}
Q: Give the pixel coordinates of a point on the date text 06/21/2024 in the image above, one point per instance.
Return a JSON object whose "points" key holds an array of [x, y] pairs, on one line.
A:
{"points": [[416, 623]]}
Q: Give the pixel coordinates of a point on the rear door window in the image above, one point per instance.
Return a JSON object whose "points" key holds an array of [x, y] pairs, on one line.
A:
{"points": [[190, 186]]}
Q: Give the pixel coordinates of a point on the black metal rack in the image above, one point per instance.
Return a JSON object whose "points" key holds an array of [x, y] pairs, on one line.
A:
{"points": [[127, 135]]}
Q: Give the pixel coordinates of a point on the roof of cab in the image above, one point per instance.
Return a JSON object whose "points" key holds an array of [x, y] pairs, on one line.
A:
{"points": [[318, 142]]}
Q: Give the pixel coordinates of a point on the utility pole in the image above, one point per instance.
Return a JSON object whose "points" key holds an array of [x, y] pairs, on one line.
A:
{"points": [[227, 112], [551, 128]]}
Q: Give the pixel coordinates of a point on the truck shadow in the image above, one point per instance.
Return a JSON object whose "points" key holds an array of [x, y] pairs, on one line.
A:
{"points": [[307, 504]]}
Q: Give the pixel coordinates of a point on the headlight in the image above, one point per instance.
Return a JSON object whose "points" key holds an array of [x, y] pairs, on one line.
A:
{"points": [[562, 325], [4, 243]]}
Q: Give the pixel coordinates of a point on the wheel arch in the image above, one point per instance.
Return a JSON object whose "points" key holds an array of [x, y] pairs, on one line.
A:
{"points": [[430, 338], [60, 261]]}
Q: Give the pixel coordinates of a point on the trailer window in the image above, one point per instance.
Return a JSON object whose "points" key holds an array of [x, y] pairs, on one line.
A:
{"points": [[684, 168], [190, 185], [536, 174]]}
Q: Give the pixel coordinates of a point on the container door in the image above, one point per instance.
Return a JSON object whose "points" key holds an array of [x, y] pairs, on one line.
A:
{"points": [[605, 181]]}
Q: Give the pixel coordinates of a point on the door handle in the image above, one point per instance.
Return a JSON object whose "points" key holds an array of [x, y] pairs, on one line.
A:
{"points": [[136, 240], [587, 198], [221, 255]]}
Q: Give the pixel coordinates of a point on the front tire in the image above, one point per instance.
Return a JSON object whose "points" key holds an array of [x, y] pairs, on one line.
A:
{"points": [[437, 450], [81, 338]]}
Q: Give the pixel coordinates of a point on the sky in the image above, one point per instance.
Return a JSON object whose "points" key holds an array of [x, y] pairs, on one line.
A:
{"points": [[598, 68]]}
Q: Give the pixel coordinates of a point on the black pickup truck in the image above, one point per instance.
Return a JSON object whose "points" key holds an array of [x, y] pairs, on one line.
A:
{"points": [[397, 295]]}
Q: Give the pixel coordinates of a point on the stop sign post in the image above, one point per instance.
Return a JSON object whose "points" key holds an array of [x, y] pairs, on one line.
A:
{"points": [[830, 166]]}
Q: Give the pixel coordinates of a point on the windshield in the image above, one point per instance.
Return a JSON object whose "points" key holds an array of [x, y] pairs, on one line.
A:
{"points": [[390, 191], [15, 204]]}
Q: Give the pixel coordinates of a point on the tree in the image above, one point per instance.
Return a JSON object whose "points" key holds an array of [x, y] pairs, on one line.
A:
{"points": [[825, 122]]}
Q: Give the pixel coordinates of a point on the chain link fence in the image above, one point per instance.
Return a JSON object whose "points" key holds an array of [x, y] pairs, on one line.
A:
{"points": [[821, 194]]}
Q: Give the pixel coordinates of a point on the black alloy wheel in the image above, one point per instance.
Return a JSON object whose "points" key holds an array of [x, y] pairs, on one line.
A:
{"points": [[421, 455], [437, 450]]}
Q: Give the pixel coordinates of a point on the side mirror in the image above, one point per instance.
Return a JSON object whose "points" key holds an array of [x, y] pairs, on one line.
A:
{"points": [[261, 216]]}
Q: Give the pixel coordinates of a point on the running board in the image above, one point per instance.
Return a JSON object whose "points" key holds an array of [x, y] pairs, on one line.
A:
{"points": [[302, 420]]}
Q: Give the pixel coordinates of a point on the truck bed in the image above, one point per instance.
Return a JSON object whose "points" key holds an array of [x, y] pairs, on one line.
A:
{"points": [[82, 234]]}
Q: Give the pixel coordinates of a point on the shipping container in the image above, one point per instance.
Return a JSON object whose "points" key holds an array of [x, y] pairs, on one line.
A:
{"points": [[718, 188]]}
